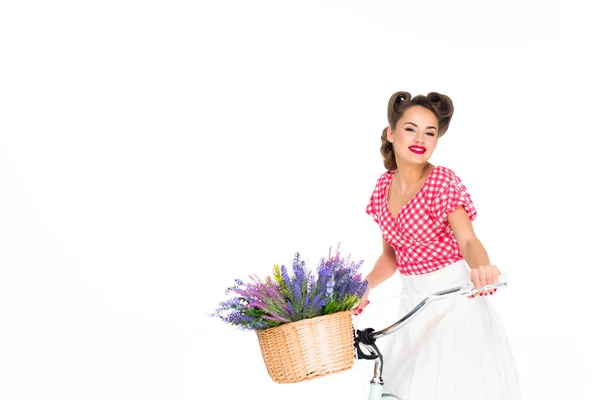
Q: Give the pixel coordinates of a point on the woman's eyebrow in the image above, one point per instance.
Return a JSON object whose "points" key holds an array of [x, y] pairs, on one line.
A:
{"points": [[416, 126]]}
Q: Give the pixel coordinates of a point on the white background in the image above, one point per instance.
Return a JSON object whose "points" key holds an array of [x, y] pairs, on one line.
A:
{"points": [[153, 151]]}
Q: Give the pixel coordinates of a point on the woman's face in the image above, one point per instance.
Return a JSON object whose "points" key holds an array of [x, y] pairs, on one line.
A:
{"points": [[415, 136]]}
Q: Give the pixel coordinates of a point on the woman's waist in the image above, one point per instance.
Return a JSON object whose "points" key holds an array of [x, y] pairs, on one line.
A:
{"points": [[456, 274]]}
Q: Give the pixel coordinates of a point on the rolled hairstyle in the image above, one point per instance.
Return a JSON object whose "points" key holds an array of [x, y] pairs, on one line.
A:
{"points": [[439, 104]]}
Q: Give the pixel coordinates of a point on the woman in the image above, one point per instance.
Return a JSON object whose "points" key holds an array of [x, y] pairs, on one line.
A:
{"points": [[457, 348]]}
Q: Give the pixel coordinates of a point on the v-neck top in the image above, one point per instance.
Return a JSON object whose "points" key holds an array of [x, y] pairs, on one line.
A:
{"points": [[420, 234]]}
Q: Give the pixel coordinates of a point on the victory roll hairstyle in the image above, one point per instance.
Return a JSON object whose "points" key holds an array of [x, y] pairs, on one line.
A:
{"points": [[440, 104]]}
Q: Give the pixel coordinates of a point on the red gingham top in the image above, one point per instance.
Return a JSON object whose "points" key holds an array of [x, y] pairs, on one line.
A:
{"points": [[421, 235]]}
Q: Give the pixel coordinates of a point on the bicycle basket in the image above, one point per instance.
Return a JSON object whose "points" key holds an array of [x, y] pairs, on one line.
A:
{"points": [[308, 349]]}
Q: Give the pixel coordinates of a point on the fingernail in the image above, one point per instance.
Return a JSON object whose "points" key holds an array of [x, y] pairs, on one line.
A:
{"points": [[481, 294], [360, 310], [368, 301]]}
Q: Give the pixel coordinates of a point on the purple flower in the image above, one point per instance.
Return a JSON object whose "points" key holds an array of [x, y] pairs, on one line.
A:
{"points": [[330, 285], [296, 294]]}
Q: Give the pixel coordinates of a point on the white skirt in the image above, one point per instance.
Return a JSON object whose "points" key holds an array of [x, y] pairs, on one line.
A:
{"points": [[455, 349]]}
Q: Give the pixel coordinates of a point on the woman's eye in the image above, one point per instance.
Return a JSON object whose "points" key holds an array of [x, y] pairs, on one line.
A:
{"points": [[410, 129], [431, 133]]}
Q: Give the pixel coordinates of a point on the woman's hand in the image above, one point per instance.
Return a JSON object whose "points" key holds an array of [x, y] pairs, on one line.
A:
{"points": [[364, 301], [485, 275]]}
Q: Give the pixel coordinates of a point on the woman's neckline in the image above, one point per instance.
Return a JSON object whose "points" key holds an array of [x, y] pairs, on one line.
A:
{"points": [[387, 193]]}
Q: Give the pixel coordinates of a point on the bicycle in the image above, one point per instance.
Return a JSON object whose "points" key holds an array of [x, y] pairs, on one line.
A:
{"points": [[367, 337]]}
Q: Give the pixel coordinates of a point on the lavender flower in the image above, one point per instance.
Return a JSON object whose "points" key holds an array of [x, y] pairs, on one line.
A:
{"points": [[293, 295]]}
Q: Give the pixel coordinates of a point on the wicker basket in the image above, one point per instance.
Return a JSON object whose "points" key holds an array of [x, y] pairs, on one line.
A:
{"points": [[308, 349]]}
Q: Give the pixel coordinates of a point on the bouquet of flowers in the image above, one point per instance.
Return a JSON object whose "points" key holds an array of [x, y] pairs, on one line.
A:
{"points": [[293, 295]]}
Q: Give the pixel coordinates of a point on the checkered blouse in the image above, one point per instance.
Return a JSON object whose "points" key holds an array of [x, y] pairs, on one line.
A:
{"points": [[421, 235]]}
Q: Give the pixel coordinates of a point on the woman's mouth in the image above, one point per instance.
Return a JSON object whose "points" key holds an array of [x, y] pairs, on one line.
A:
{"points": [[417, 149]]}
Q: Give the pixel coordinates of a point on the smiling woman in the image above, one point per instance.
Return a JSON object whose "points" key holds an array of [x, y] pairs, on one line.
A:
{"points": [[425, 214]]}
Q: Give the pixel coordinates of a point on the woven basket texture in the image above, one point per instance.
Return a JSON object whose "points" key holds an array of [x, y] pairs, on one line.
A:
{"points": [[308, 349]]}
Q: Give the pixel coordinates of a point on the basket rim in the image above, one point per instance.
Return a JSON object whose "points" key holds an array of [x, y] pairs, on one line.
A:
{"points": [[338, 314]]}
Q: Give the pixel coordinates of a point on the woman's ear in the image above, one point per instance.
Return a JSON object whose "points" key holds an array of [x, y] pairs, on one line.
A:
{"points": [[390, 134]]}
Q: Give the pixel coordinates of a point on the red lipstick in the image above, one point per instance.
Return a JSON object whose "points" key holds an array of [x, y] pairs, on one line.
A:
{"points": [[417, 149]]}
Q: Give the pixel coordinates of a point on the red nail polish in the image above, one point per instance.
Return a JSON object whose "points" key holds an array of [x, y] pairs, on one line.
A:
{"points": [[359, 310], [481, 294], [368, 301]]}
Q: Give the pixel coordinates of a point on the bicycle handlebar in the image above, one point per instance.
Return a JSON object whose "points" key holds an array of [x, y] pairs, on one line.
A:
{"points": [[465, 290], [368, 336]]}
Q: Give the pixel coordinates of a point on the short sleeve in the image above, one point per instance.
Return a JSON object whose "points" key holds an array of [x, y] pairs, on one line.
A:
{"points": [[377, 199], [452, 195], [373, 207]]}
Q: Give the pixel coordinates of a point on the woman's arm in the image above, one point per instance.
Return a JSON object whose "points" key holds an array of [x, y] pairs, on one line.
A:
{"points": [[384, 268], [472, 250]]}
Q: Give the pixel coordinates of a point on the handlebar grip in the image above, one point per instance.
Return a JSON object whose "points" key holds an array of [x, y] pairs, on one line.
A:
{"points": [[503, 280]]}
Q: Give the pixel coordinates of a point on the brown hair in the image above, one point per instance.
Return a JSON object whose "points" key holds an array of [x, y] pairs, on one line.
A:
{"points": [[439, 104]]}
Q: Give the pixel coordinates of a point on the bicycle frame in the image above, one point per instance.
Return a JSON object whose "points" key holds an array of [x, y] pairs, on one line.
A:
{"points": [[367, 337]]}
